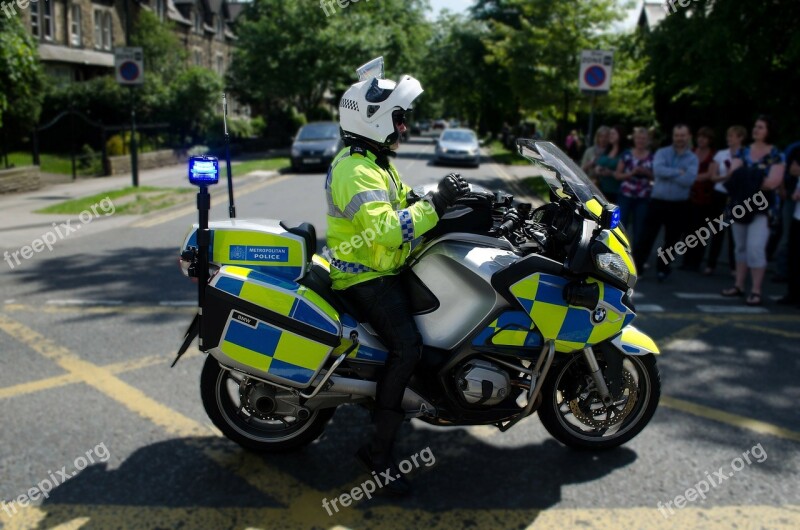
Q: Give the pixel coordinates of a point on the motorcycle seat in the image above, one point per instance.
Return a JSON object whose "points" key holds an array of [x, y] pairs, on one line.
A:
{"points": [[307, 232]]}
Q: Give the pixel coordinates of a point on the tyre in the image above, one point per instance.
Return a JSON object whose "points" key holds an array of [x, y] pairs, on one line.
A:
{"points": [[573, 413], [230, 402]]}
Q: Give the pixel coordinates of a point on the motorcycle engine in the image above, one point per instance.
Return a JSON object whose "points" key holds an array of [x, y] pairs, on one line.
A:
{"points": [[483, 383]]}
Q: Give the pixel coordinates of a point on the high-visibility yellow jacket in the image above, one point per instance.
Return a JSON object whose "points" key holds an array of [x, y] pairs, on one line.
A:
{"points": [[370, 224]]}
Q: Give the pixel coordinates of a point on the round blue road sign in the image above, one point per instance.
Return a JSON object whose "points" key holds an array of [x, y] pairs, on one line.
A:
{"points": [[595, 76], [129, 71]]}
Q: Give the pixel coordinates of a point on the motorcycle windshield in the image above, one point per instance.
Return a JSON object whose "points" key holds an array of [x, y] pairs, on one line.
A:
{"points": [[560, 172]]}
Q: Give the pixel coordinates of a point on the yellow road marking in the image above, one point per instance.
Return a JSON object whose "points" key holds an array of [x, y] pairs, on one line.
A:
{"points": [[773, 331], [270, 480], [69, 516], [36, 386], [721, 416], [181, 212], [103, 380], [68, 379]]}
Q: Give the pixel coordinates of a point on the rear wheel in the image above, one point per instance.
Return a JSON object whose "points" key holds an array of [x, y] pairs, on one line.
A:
{"points": [[248, 412], [573, 413]]}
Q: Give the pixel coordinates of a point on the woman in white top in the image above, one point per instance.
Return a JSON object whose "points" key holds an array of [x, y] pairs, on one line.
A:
{"points": [[721, 171]]}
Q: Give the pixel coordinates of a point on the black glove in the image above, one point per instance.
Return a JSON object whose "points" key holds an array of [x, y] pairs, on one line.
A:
{"points": [[450, 189]]}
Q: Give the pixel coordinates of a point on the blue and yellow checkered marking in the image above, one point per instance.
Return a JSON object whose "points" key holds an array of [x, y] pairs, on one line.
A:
{"points": [[511, 328], [277, 352], [278, 295], [571, 327]]}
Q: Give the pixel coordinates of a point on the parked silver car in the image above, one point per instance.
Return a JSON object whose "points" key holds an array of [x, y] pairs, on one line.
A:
{"points": [[458, 146]]}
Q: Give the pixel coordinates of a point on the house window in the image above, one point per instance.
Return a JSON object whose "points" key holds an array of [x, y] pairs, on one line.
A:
{"points": [[220, 65], [198, 58], [103, 30], [220, 28], [198, 22], [35, 20], [75, 25], [108, 31], [98, 29], [47, 19]]}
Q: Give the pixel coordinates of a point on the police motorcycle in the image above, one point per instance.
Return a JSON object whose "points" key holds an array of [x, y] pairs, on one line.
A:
{"points": [[521, 311]]}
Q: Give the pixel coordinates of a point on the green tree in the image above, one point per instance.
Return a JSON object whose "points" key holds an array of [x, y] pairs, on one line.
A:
{"points": [[20, 77], [721, 63], [194, 101], [458, 76], [539, 41], [291, 53]]}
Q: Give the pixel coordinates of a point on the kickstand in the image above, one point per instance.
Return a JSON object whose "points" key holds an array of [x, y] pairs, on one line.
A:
{"points": [[191, 333]]}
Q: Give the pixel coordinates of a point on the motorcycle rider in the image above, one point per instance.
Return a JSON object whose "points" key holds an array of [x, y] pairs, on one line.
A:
{"points": [[370, 228]]}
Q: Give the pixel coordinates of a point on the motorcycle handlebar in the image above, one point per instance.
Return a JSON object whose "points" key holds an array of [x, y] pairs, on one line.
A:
{"points": [[508, 227]]}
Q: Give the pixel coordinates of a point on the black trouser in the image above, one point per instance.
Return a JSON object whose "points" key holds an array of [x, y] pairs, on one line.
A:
{"points": [[793, 245], [698, 213], [388, 310], [718, 239], [672, 216]]}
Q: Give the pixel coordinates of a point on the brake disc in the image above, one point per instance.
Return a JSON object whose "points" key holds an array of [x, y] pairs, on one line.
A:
{"points": [[606, 417]]}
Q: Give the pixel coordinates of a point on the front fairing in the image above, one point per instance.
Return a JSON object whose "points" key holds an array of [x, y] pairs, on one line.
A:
{"points": [[568, 181]]}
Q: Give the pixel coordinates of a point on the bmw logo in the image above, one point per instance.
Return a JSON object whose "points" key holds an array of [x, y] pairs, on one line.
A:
{"points": [[599, 315]]}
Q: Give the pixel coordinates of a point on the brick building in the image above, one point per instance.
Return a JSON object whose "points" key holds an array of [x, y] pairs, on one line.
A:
{"points": [[77, 37]]}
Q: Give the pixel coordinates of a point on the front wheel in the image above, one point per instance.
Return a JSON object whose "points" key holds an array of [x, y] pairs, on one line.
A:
{"points": [[256, 415], [573, 413]]}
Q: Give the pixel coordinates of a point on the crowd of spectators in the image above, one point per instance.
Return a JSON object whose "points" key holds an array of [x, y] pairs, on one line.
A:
{"points": [[746, 193]]}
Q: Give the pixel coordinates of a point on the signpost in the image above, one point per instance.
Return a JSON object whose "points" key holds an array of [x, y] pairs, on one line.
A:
{"points": [[129, 71], [595, 78]]}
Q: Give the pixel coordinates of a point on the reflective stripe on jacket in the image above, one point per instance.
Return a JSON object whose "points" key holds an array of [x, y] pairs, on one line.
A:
{"points": [[370, 224]]}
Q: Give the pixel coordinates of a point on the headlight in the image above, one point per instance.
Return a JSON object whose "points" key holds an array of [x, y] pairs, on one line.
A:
{"points": [[296, 153], [613, 265]]}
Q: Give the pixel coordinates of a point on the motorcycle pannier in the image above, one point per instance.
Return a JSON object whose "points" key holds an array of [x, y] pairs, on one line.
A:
{"points": [[268, 327]]}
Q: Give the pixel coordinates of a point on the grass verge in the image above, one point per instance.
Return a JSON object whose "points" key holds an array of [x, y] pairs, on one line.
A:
{"points": [[262, 164], [501, 155], [49, 163], [127, 201]]}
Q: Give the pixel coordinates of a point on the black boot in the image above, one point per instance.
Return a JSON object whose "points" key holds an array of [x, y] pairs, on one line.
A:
{"points": [[377, 454]]}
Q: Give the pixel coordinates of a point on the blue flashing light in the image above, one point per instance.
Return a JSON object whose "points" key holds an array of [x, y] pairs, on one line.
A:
{"points": [[203, 170], [615, 218]]}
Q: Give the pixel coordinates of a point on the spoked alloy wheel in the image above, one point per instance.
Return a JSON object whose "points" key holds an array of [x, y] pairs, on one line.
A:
{"points": [[244, 410], [574, 414]]}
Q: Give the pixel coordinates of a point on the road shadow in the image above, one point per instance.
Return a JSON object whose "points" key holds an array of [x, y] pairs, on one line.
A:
{"points": [[133, 275], [187, 477]]}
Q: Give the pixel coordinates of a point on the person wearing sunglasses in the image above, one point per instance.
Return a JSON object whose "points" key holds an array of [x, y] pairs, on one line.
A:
{"points": [[371, 224]]}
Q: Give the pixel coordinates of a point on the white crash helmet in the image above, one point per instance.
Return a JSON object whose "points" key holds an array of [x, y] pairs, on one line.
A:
{"points": [[365, 110]]}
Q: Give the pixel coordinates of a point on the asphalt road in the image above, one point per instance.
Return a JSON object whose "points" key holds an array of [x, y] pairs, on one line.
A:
{"points": [[88, 330]]}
